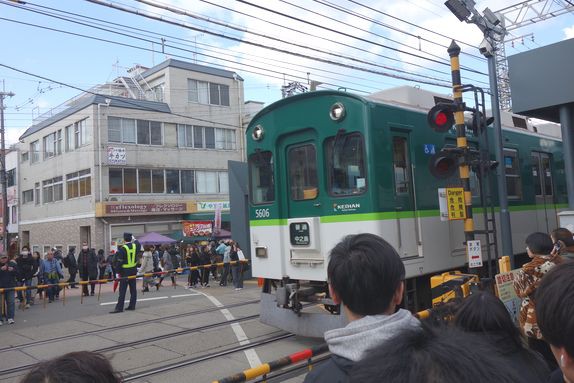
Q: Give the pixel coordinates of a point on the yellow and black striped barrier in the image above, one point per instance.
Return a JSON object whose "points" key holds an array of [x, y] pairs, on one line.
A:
{"points": [[277, 364]]}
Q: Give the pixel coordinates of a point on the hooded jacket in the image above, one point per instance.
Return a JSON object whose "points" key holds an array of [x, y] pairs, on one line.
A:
{"points": [[352, 342]]}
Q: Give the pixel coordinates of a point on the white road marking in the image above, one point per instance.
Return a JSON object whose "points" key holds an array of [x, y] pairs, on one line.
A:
{"points": [[250, 354], [139, 300], [184, 295]]}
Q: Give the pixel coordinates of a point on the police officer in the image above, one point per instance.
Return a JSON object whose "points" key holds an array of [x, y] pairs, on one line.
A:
{"points": [[125, 266]]}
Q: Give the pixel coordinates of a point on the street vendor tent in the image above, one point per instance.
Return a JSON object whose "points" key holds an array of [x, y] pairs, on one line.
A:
{"points": [[155, 239]]}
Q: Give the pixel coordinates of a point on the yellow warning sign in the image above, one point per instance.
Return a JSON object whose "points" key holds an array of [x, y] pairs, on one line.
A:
{"points": [[455, 203]]}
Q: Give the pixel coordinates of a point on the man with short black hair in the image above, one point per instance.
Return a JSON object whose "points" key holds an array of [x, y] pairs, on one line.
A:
{"points": [[126, 266], [366, 276], [555, 314]]}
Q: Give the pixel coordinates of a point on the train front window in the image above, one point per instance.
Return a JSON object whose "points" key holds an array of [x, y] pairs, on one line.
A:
{"points": [[346, 164], [262, 181], [303, 172]]}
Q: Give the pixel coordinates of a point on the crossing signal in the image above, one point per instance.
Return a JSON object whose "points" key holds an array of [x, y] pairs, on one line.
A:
{"points": [[443, 164], [441, 117]]}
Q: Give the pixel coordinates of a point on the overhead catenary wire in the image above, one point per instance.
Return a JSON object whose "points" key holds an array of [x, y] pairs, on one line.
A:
{"points": [[440, 84], [151, 41], [183, 12]]}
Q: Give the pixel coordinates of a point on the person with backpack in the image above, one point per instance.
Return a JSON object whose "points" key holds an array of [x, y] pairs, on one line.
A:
{"points": [[71, 264]]}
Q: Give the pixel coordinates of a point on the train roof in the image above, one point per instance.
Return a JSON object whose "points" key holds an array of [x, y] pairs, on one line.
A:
{"points": [[421, 100]]}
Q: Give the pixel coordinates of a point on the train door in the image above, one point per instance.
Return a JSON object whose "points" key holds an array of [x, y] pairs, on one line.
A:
{"points": [[302, 180], [544, 192], [406, 223]]}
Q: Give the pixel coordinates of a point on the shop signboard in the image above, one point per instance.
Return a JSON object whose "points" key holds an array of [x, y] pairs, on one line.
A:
{"points": [[197, 228]]}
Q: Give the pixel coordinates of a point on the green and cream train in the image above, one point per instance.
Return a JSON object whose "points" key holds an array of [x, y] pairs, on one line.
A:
{"points": [[326, 164]]}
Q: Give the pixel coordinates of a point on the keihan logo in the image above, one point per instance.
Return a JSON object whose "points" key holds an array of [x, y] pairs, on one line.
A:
{"points": [[346, 206]]}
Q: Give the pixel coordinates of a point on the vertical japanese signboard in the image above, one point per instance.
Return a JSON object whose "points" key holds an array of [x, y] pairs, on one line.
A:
{"points": [[455, 203]]}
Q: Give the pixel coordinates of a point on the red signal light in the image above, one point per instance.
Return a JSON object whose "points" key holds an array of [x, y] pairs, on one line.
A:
{"points": [[443, 164], [441, 117]]}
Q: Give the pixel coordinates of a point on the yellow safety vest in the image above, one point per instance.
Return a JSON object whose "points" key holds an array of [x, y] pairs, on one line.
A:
{"points": [[131, 254]]}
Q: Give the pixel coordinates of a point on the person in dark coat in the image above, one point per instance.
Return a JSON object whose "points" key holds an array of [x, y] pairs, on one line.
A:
{"points": [[26, 270], [484, 314], [126, 265], [88, 267], [204, 260], [8, 275], [72, 264], [102, 264]]}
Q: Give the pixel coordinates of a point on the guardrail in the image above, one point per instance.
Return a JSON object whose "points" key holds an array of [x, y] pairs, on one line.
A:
{"points": [[100, 282]]}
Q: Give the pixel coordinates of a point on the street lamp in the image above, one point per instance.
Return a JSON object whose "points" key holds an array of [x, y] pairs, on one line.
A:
{"points": [[494, 31]]}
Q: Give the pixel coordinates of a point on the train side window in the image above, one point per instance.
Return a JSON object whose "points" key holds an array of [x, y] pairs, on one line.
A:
{"points": [[536, 175], [262, 180], [513, 181], [546, 168], [401, 165], [345, 161], [302, 162]]}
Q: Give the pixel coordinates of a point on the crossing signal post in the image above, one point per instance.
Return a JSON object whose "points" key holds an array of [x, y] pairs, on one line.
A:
{"points": [[443, 164]]}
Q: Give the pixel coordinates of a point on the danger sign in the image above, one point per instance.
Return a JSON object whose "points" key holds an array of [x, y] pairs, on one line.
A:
{"points": [[455, 203]]}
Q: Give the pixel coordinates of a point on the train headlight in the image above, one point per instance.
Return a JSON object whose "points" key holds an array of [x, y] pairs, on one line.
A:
{"points": [[337, 112], [257, 133]]}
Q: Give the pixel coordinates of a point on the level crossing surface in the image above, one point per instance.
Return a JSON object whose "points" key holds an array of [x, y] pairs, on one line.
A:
{"points": [[169, 326]]}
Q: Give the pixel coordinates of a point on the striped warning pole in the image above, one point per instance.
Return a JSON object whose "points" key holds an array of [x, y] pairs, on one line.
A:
{"points": [[275, 365], [461, 142]]}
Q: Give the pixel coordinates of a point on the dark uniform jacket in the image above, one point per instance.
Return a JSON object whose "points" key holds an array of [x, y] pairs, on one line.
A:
{"points": [[121, 258], [88, 264], [8, 277], [335, 370], [26, 267]]}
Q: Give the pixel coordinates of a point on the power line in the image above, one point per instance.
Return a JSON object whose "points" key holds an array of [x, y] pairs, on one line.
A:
{"points": [[211, 20], [140, 13]]}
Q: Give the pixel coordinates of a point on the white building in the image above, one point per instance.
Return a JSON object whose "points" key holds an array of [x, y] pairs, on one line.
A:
{"points": [[136, 155]]}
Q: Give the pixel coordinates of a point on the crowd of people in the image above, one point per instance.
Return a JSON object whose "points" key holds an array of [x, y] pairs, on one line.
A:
{"points": [[479, 341], [382, 342], [30, 269]]}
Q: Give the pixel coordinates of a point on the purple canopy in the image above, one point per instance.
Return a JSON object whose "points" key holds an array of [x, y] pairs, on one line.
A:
{"points": [[222, 234], [155, 239]]}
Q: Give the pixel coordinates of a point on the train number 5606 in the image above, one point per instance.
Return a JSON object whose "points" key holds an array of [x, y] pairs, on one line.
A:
{"points": [[261, 213]]}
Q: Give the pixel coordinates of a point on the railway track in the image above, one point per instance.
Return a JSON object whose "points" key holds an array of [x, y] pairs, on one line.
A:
{"points": [[143, 341], [128, 325], [203, 358]]}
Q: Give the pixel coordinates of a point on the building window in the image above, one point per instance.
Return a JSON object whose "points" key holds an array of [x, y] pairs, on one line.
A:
{"points": [[187, 182], [24, 157], [37, 193], [169, 181], [11, 177], [513, 181], [200, 137], [82, 134], [206, 182], [223, 183], [158, 92], [116, 181], [53, 190], [172, 181], [121, 130], [69, 132], [27, 196], [149, 132], [35, 150], [225, 139], [78, 184], [203, 92], [53, 144]]}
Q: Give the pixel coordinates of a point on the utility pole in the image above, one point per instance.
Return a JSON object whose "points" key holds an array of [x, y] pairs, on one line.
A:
{"points": [[3, 172], [493, 30]]}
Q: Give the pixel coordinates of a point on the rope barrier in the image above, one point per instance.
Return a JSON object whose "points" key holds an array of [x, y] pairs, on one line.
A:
{"points": [[265, 368], [64, 285]]}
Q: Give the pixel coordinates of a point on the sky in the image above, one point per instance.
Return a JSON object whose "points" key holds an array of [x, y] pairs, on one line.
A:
{"points": [[53, 49]]}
